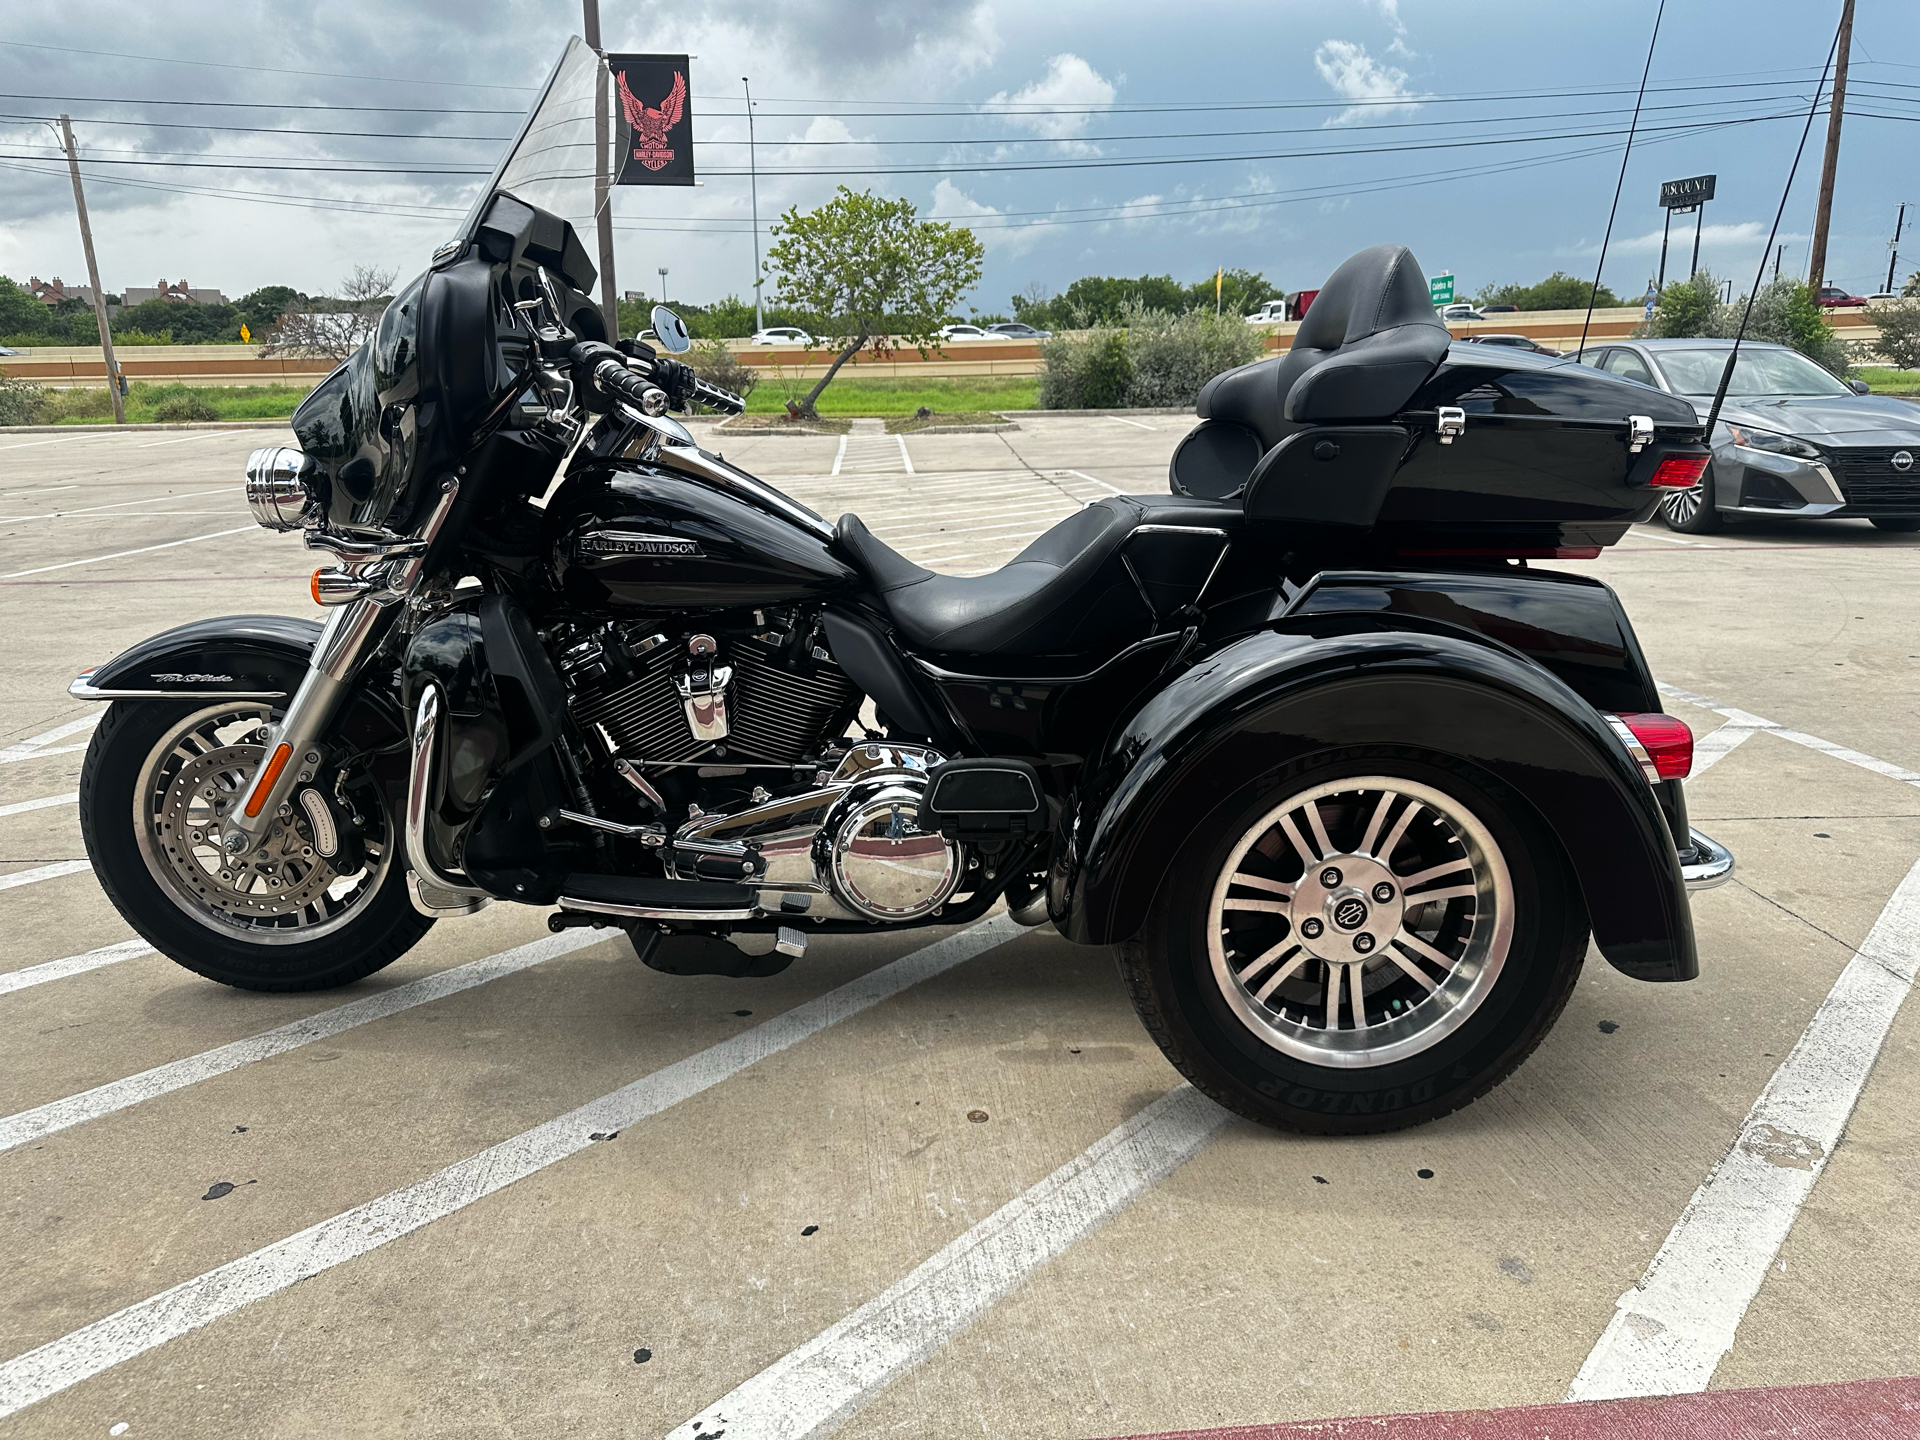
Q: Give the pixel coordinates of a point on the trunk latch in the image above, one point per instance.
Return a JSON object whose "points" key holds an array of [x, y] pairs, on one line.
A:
{"points": [[1639, 433], [1451, 421]]}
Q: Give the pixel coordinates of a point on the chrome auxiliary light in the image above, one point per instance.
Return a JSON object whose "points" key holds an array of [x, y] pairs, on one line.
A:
{"points": [[277, 487]]}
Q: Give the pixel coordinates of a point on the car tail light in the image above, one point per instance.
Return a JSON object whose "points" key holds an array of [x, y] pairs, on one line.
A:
{"points": [[1662, 745], [1679, 472]]}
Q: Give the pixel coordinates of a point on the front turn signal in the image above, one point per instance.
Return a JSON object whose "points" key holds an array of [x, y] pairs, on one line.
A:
{"points": [[330, 586], [258, 799]]}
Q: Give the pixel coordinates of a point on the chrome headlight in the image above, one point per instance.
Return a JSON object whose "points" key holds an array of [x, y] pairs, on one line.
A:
{"points": [[277, 488]]}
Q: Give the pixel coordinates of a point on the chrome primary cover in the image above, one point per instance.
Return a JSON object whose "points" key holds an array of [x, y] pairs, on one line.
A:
{"points": [[877, 859]]}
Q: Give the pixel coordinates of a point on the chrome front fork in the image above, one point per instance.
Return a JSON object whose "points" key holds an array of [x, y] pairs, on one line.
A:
{"points": [[353, 631]]}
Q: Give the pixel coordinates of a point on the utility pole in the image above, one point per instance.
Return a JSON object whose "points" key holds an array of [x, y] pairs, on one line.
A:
{"points": [[753, 187], [1778, 253], [602, 212], [1697, 226], [93, 274], [1665, 226], [1817, 261], [1893, 246]]}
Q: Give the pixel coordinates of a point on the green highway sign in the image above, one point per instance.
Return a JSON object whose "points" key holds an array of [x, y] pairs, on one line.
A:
{"points": [[1440, 288]]}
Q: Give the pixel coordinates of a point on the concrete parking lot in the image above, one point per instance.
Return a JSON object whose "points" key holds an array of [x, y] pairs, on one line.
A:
{"points": [[940, 1183]]}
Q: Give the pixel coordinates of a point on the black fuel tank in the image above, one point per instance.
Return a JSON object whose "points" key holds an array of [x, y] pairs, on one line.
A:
{"points": [[656, 541]]}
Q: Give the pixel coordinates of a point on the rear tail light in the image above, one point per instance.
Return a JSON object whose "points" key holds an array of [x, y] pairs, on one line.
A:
{"points": [[1679, 472], [1662, 745]]}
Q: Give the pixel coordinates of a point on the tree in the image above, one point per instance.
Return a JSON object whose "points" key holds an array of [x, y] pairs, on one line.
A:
{"points": [[1785, 312], [332, 328], [1686, 309], [1899, 322], [261, 309], [866, 270], [1559, 291], [1912, 287]]}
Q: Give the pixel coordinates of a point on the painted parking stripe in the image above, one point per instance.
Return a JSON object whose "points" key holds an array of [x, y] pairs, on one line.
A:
{"points": [[816, 1387], [150, 1323], [117, 505], [55, 871], [6, 759], [1715, 746], [56, 1115], [36, 744], [73, 965], [122, 554], [1847, 1410], [1797, 737], [1670, 1331], [45, 802]]}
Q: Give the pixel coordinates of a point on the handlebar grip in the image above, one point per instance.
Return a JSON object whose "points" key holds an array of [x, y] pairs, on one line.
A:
{"points": [[615, 378], [714, 398]]}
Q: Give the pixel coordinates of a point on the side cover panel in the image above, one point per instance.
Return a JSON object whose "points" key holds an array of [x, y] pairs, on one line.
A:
{"points": [[1341, 681]]}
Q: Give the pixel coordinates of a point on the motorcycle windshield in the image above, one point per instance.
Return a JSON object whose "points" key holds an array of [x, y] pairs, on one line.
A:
{"points": [[550, 162]]}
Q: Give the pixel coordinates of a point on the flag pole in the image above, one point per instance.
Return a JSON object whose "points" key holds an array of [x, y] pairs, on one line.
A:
{"points": [[602, 211]]}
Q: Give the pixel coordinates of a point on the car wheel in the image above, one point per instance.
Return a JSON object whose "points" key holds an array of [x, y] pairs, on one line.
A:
{"points": [[1692, 511], [1365, 944], [1903, 527]]}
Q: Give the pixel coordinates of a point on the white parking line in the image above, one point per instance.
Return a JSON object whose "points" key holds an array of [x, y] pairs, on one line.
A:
{"points": [[117, 505], [203, 435], [43, 872], [33, 744], [1717, 745], [839, 454], [122, 554], [45, 802], [17, 1129], [1798, 737], [1082, 475], [821, 1384], [150, 1323], [905, 459], [62, 440], [41, 754], [73, 965], [1138, 425], [1669, 1332]]}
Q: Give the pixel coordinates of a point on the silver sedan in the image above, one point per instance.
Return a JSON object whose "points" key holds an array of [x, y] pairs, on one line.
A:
{"points": [[1792, 439]]}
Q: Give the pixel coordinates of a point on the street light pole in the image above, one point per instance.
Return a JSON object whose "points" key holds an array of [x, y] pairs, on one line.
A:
{"points": [[1893, 246], [602, 212], [1698, 225], [1666, 225], [1817, 261], [93, 274], [753, 188], [663, 284]]}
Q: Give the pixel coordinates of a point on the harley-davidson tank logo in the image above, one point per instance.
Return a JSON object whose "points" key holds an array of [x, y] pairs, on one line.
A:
{"points": [[622, 542]]}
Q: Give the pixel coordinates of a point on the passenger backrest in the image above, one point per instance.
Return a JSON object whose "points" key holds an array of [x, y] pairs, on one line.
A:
{"points": [[1370, 339]]}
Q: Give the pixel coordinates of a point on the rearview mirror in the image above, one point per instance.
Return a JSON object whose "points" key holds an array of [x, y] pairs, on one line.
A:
{"points": [[1859, 387], [671, 331]]}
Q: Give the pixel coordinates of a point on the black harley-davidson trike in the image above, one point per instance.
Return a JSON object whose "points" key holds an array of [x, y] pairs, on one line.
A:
{"points": [[1344, 779]]}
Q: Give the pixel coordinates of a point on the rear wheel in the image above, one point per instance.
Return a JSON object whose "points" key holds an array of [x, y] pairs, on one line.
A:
{"points": [[1382, 945], [160, 780]]}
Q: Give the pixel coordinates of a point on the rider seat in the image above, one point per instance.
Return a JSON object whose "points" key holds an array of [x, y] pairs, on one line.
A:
{"points": [[1107, 575]]}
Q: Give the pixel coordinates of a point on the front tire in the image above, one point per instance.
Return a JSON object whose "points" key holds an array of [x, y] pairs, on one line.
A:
{"points": [[1692, 512], [1360, 943], [158, 778]]}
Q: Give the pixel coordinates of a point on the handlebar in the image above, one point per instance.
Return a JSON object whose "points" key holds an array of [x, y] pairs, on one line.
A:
{"points": [[610, 375], [714, 398]]}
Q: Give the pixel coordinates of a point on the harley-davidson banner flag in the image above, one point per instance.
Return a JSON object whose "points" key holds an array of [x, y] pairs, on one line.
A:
{"points": [[654, 123]]}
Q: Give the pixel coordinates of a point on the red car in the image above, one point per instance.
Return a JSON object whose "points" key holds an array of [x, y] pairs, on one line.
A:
{"points": [[1833, 297]]}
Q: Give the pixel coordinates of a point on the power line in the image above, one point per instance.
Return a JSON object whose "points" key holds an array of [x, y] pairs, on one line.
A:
{"points": [[264, 69]]}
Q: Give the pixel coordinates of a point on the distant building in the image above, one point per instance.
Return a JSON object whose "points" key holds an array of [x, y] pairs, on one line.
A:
{"points": [[52, 292], [179, 290]]}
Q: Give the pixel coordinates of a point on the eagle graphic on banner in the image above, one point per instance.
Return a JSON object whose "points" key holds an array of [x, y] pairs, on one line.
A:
{"points": [[651, 123]]}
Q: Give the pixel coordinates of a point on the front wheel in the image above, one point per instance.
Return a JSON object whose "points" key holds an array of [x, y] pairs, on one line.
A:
{"points": [[1692, 511], [1369, 944], [158, 783]]}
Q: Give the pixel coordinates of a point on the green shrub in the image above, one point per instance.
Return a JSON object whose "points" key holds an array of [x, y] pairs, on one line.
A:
{"points": [[21, 401], [714, 363], [1174, 355], [176, 408], [1087, 371], [1784, 313], [78, 405], [1899, 324], [142, 337]]}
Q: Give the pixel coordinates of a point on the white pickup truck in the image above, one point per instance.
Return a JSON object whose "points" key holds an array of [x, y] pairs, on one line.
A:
{"points": [[1268, 313]]}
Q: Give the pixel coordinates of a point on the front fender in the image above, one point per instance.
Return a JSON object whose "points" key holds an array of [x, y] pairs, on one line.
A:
{"points": [[1314, 686], [233, 657]]}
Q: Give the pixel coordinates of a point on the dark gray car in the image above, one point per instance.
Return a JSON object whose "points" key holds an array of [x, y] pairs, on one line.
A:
{"points": [[1792, 439]]}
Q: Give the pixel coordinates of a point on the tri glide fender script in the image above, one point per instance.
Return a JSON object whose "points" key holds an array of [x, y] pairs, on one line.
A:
{"points": [[1345, 778]]}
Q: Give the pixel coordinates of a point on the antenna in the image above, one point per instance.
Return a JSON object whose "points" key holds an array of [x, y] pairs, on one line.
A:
{"points": [[1632, 125], [1733, 355]]}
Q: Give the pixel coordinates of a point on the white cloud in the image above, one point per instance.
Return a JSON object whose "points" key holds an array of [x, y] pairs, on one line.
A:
{"points": [[1070, 84], [950, 202], [1355, 75]]}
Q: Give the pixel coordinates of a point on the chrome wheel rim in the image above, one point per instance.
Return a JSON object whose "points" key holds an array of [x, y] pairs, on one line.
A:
{"points": [[284, 893], [1682, 506], [1360, 922]]}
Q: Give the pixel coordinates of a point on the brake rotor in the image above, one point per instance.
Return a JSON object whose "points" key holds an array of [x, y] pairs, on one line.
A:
{"points": [[282, 876]]}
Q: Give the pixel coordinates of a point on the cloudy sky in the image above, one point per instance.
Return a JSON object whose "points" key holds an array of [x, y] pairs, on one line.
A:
{"points": [[295, 142]]}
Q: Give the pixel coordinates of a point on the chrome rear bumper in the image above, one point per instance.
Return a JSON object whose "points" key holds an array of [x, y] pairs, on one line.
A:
{"points": [[1706, 863]]}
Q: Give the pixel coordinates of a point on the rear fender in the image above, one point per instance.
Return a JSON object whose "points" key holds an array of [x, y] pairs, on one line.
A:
{"points": [[1319, 685]]}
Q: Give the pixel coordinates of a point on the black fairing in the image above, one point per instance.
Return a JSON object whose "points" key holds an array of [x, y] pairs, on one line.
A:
{"points": [[1333, 682]]}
